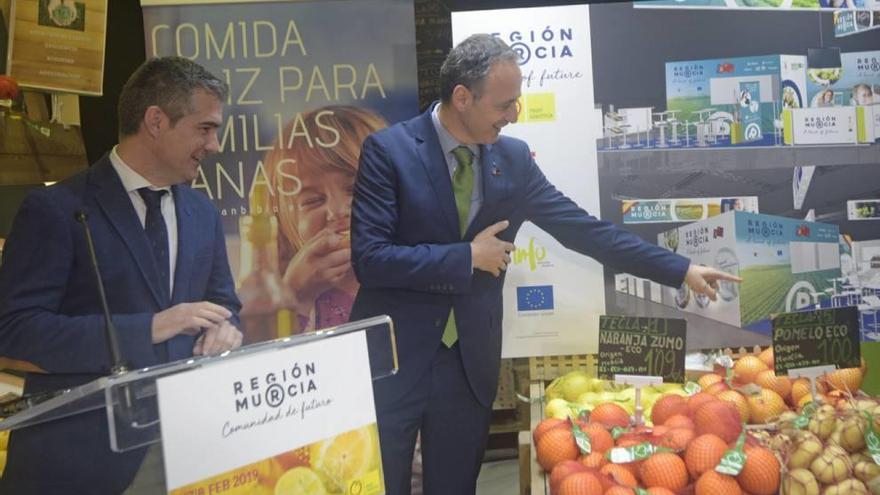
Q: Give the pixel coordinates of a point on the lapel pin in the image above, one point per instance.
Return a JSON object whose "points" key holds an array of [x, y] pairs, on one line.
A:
{"points": [[496, 171]]}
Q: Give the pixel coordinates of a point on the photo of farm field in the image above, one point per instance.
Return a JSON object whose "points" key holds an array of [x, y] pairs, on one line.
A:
{"points": [[765, 289]]}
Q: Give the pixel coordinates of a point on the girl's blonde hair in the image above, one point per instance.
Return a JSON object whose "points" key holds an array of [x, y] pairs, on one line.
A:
{"points": [[346, 128]]}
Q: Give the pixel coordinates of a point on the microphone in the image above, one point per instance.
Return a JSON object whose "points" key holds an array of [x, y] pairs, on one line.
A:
{"points": [[118, 365]]}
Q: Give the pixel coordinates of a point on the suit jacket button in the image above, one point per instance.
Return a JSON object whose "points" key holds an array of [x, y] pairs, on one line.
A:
{"points": [[438, 322]]}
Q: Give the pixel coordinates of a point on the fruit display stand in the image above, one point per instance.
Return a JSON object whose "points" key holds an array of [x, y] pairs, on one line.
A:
{"points": [[743, 431], [542, 371]]}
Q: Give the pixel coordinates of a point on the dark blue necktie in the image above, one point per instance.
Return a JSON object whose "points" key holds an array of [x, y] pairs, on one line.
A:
{"points": [[157, 234]]}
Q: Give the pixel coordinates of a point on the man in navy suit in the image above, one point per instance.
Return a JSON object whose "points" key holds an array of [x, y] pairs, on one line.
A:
{"points": [[437, 204], [162, 257]]}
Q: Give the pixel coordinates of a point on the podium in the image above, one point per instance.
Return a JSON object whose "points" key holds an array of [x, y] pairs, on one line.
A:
{"points": [[132, 399]]}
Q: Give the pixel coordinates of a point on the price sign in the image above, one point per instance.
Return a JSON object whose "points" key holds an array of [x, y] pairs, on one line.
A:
{"points": [[632, 345], [815, 338]]}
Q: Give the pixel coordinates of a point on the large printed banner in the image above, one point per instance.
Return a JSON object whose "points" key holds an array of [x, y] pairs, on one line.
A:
{"points": [[552, 295], [309, 81], [847, 22], [298, 420], [759, 4]]}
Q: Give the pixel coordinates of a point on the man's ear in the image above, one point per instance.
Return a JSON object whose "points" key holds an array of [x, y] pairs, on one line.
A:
{"points": [[153, 120], [461, 97]]}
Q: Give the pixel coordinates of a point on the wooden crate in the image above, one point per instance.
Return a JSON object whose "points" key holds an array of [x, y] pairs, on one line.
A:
{"points": [[505, 397], [542, 370], [510, 411], [551, 367]]}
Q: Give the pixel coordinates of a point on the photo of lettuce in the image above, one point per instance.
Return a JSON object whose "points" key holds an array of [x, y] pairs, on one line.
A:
{"points": [[688, 211], [825, 77]]}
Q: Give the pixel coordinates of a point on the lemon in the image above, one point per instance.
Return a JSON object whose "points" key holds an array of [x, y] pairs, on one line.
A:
{"points": [[300, 481], [346, 457]]}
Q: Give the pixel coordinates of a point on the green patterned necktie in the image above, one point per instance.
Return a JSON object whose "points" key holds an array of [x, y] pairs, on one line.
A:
{"points": [[462, 187]]}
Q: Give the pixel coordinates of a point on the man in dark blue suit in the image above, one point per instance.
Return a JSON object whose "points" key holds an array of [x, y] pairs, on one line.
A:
{"points": [[162, 256], [437, 204]]}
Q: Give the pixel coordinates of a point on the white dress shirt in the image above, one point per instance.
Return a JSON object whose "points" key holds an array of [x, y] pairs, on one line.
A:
{"points": [[132, 181]]}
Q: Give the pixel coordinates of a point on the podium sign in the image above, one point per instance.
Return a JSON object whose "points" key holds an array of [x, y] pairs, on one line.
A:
{"points": [[274, 422]]}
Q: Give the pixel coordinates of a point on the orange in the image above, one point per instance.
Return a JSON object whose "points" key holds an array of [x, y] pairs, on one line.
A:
{"points": [[799, 388], [697, 400], [633, 468], [845, 379], [765, 406], [804, 401], [657, 431], [766, 357], [746, 368], [664, 469], [760, 474], [779, 384], [716, 388], [581, 484], [718, 418], [620, 475], [679, 421], [546, 425], [738, 400], [556, 446], [562, 471], [659, 490], [677, 438], [593, 460], [704, 453], [666, 406], [609, 415], [600, 439], [619, 490], [708, 379], [714, 483]]}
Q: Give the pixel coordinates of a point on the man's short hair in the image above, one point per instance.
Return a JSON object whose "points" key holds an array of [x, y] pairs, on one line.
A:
{"points": [[469, 63], [169, 83]]}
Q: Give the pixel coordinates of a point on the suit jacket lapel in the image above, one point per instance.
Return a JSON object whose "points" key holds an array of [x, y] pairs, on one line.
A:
{"points": [[434, 161], [186, 228], [116, 206]]}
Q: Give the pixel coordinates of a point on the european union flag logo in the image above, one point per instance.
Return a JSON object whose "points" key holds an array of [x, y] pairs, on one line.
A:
{"points": [[534, 297]]}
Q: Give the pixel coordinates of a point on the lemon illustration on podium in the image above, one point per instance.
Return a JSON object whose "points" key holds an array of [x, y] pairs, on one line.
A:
{"points": [[300, 481], [347, 458]]}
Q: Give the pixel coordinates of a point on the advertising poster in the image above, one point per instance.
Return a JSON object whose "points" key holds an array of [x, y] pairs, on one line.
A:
{"points": [[749, 109], [298, 420], [760, 4], [636, 211], [58, 45], [552, 295], [717, 89], [309, 81], [855, 83]]}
